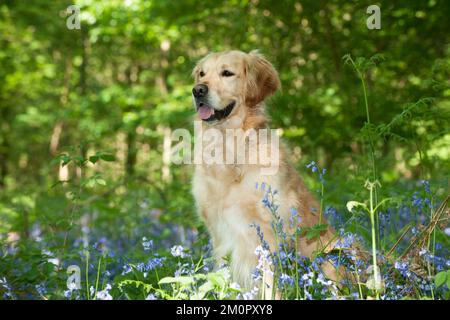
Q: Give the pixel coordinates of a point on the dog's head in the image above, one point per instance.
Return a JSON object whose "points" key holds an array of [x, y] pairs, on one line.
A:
{"points": [[229, 81]]}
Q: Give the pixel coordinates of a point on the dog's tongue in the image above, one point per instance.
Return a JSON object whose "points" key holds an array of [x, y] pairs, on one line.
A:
{"points": [[205, 112]]}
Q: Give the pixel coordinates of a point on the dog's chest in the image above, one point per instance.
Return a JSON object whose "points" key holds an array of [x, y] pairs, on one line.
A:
{"points": [[226, 201], [217, 188]]}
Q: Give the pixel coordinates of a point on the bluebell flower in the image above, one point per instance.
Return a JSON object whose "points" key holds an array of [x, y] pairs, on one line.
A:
{"points": [[313, 166], [321, 176], [104, 294], [285, 280], [151, 296], [177, 251], [155, 263], [333, 217], [308, 296], [147, 244], [294, 219], [8, 294], [249, 295], [346, 241], [151, 264], [416, 201], [260, 234], [126, 269], [402, 267], [321, 279], [256, 275], [40, 288], [235, 286], [426, 185], [428, 203], [355, 295], [307, 279], [293, 212], [263, 186], [264, 259], [185, 269]]}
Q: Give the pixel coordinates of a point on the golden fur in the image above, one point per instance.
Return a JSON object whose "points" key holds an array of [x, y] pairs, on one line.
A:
{"points": [[226, 197]]}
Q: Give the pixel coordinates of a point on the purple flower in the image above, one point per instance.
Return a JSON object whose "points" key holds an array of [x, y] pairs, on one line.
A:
{"points": [[402, 267], [312, 165], [147, 244], [177, 251], [151, 264], [426, 185], [286, 280], [151, 296], [346, 241], [249, 295], [126, 269], [416, 201], [104, 294], [294, 219]]}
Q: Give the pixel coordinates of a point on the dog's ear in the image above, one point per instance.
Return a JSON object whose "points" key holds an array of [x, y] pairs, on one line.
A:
{"points": [[262, 79]]}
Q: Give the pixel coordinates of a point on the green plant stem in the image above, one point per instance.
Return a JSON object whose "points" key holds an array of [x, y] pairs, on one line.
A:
{"points": [[321, 204], [98, 275], [374, 243], [371, 143], [358, 281], [433, 249]]}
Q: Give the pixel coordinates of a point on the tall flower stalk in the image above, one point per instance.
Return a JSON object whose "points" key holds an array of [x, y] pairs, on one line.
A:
{"points": [[371, 186], [372, 211], [361, 65]]}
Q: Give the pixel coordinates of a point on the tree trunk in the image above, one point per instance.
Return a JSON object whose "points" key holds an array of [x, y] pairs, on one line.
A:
{"points": [[5, 115], [4, 150], [131, 152], [166, 154]]}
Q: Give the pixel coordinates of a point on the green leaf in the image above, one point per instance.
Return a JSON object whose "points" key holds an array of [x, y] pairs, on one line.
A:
{"points": [[321, 227], [314, 231], [448, 279], [107, 157], [94, 159], [311, 235], [79, 160], [100, 181], [65, 159], [217, 279], [439, 279], [181, 280], [354, 204], [90, 183], [202, 291]]}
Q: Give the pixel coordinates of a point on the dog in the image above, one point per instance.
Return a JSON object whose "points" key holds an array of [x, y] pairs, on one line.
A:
{"points": [[229, 94]]}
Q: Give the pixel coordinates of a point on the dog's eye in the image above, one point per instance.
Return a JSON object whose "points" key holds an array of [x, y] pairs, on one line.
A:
{"points": [[202, 73], [226, 73]]}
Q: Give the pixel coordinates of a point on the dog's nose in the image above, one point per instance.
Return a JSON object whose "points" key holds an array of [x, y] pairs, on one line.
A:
{"points": [[200, 90]]}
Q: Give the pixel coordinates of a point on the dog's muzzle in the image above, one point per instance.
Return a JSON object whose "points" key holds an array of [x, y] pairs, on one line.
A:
{"points": [[204, 110]]}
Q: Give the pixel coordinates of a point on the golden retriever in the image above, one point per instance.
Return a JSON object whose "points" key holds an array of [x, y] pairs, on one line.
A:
{"points": [[229, 93]]}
